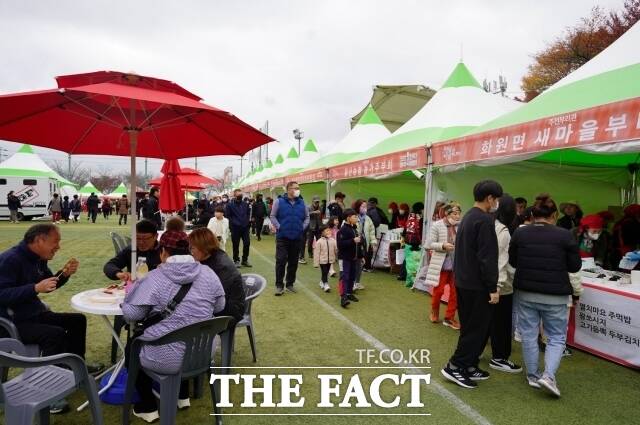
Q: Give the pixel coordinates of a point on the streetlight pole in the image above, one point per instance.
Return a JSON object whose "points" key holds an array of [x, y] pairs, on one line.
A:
{"points": [[298, 135]]}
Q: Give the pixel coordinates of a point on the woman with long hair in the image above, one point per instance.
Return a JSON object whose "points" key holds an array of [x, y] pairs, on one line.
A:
{"points": [[501, 326]]}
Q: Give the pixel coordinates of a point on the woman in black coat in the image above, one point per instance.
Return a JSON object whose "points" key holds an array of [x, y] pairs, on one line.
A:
{"points": [[205, 248]]}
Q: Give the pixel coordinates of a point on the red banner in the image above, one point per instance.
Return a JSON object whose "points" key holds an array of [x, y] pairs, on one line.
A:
{"points": [[614, 122], [309, 176], [406, 160]]}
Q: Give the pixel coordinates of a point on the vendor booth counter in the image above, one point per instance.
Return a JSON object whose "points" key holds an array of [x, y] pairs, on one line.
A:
{"points": [[606, 321]]}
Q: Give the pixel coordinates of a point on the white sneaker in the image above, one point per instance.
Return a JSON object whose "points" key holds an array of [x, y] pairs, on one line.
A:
{"points": [[533, 381], [550, 385], [326, 287], [147, 417], [358, 286], [516, 336], [321, 284], [184, 403]]}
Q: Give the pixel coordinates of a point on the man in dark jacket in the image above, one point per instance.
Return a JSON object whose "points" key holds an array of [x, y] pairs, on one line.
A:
{"points": [[92, 207], [259, 213], [290, 217], [476, 278], [24, 274], [151, 209], [375, 213], [147, 247], [336, 207], [238, 212], [13, 203]]}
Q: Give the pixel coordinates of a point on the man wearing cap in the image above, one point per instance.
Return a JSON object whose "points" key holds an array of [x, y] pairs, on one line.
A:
{"points": [[572, 215], [290, 217], [313, 231], [204, 298]]}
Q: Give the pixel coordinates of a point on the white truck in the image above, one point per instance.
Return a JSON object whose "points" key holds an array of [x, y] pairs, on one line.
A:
{"points": [[34, 194]]}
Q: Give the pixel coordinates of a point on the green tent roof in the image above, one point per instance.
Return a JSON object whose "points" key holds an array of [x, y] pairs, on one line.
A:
{"points": [[370, 117], [25, 149], [461, 77], [310, 146], [292, 153], [279, 159]]}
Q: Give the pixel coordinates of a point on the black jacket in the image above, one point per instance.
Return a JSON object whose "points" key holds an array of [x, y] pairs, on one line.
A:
{"points": [[203, 219], [543, 256], [347, 249], [476, 254], [231, 280], [377, 216], [259, 209], [13, 202], [20, 270], [92, 203], [151, 211], [123, 260]]}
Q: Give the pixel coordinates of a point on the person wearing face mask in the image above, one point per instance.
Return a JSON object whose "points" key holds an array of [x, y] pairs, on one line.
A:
{"points": [[238, 212], [393, 213], [587, 235], [475, 267], [403, 215], [290, 218], [440, 271], [367, 231]]}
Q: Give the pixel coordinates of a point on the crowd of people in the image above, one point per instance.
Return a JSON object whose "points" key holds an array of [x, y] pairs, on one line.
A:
{"points": [[499, 258], [505, 256]]}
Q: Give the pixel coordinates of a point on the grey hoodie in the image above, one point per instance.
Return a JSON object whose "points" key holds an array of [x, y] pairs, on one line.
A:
{"points": [[153, 292]]}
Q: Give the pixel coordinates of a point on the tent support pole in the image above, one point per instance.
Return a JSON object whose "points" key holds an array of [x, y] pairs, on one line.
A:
{"points": [[133, 146], [327, 184], [428, 194]]}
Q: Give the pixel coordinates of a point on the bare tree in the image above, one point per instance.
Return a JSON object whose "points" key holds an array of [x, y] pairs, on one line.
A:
{"points": [[76, 173]]}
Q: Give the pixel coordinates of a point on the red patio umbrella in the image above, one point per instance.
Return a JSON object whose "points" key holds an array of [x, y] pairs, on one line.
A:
{"points": [[94, 113], [190, 179], [171, 195]]}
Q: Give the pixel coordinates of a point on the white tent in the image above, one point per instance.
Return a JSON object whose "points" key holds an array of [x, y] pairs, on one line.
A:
{"points": [[366, 133], [26, 163], [459, 106]]}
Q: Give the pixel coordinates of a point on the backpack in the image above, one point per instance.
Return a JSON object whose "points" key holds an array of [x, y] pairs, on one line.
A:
{"points": [[413, 235]]}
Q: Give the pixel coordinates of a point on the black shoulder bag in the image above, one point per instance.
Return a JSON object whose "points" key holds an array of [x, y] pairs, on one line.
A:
{"points": [[158, 316]]}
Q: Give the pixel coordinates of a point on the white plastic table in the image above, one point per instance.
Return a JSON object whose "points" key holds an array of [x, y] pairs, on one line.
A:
{"points": [[96, 301]]}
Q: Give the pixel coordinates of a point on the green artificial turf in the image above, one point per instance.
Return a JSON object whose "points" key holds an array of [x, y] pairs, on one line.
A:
{"points": [[310, 329]]}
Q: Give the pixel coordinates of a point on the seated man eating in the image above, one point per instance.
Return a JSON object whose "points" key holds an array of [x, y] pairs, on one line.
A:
{"points": [[147, 247], [24, 274]]}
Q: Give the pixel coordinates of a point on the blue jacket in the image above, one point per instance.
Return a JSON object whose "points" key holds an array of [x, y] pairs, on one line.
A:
{"points": [[290, 218], [238, 213], [20, 270]]}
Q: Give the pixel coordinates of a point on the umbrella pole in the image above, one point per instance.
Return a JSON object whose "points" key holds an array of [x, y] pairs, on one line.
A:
{"points": [[133, 141]]}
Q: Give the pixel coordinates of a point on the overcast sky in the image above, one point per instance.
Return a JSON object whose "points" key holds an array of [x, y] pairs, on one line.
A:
{"points": [[307, 64]]}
